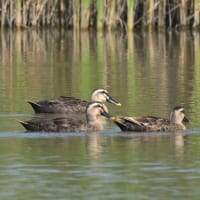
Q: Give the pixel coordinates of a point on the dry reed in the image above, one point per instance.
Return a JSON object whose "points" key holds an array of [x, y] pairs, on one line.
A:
{"points": [[115, 14]]}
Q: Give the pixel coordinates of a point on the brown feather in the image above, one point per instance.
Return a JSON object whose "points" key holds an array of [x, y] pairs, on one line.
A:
{"points": [[70, 104], [93, 122], [152, 124]]}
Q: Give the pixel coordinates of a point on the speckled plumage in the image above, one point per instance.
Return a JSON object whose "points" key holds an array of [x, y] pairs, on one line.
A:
{"points": [[70, 104], [94, 113], [60, 105], [153, 124], [61, 124]]}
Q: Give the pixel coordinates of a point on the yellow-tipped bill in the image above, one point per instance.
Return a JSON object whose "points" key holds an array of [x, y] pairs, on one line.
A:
{"points": [[112, 101], [117, 119]]}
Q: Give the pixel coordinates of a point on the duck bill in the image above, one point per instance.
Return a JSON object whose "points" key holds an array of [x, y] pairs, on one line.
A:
{"points": [[117, 119], [106, 114], [111, 100], [185, 119]]}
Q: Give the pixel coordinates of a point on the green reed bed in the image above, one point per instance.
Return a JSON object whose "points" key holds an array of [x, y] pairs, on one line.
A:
{"points": [[101, 14]]}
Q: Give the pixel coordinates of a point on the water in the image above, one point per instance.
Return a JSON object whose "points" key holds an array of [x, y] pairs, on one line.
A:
{"points": [[148, 74]]}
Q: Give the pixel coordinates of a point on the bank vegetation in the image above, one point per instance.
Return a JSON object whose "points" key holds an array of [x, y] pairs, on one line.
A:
{"points": [[101, 15]]}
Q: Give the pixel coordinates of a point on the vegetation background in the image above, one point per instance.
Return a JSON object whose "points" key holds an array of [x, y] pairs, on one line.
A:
{"points": [[102, 14]]}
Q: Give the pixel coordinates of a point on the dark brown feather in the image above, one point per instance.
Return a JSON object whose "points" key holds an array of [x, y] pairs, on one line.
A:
{"points": [[94, 120], [146, 124], [62, 124], [60, 105]]}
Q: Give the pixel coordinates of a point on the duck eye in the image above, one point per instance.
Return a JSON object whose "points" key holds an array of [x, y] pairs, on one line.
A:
{"points": [[101, 107], [98, 106], [104, 92]]}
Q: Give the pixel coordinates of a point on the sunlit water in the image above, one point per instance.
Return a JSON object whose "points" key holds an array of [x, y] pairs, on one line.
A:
{"points": [[148, 74]]}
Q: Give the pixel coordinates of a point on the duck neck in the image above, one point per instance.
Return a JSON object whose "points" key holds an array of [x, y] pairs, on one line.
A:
{"points": [[175, 120], [95, 123]]}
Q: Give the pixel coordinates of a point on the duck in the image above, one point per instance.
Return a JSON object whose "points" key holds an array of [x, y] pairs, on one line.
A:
{"points": [[70, 104], [153, 124], [94, 113]]}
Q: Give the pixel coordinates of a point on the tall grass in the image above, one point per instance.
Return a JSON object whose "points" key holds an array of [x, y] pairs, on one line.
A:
{"points": [[102, 14]]}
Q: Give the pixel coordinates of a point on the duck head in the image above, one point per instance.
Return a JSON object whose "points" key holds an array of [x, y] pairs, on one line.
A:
{"points": [[102, 95], [96, 113], [177, 115], [96, 109]]}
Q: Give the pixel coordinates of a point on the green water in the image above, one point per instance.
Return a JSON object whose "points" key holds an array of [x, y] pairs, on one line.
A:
{"points": [[148, 74]]}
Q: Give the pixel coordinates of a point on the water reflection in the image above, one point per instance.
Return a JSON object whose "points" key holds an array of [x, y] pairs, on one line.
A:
{"points": [[94, 145], [179, 141], [149, 73], [158, 69], [95, 164]]}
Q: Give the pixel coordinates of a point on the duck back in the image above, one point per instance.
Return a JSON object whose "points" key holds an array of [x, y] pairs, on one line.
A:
{"points": [[60, 105]]}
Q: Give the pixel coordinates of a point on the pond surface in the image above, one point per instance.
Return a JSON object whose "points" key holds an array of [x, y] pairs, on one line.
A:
{"points": [[148, 73]]}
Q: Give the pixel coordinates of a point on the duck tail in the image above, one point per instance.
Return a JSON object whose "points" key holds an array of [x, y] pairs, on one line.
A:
{"points": [[28, 126], [36, 107], [119, 122], [127, 124], [121, 126]]}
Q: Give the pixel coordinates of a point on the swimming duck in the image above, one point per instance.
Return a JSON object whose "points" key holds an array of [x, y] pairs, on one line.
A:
{"points": [[94, 112], [71, 104], [153, 124]]}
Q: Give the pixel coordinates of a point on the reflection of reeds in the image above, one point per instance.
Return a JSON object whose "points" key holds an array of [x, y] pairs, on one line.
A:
{"points": [[119, 14], [54, 63], [174, 56]]}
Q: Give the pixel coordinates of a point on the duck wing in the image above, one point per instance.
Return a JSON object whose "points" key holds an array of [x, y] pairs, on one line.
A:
{"points": [[128, 124], [156, 124], [141, 124], [62, 124], [59, 105]]}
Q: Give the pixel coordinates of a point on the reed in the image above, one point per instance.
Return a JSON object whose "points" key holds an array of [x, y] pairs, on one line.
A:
{"points": [[104, 14]]}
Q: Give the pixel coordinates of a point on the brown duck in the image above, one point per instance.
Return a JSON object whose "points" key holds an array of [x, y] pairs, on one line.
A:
{"points": [[94, 122], [153, 124], [71, 104]]}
